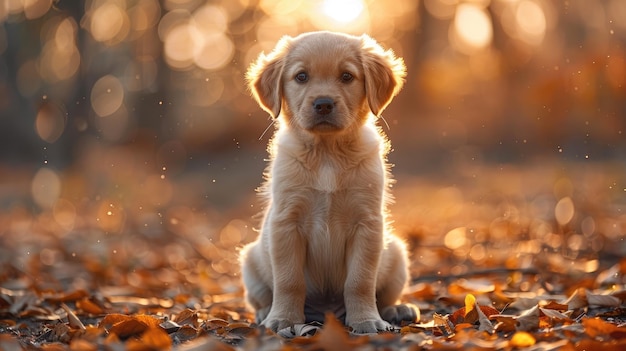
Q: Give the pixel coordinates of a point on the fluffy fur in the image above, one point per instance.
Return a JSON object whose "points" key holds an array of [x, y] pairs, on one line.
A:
{"points": [[325, 243]]}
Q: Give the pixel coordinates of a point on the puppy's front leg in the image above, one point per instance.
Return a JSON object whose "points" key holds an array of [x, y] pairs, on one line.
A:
{"points": [[287, 255], [360, 288]]}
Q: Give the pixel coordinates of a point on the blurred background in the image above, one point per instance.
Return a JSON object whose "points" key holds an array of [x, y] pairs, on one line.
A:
{"points": [[132, 117]]}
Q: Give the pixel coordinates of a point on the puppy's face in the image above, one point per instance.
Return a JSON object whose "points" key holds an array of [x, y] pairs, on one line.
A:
{"points": [[325, 82]]}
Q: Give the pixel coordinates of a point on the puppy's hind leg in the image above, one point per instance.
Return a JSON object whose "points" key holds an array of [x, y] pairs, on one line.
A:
{"points": [[392, 277], [258, 294]]}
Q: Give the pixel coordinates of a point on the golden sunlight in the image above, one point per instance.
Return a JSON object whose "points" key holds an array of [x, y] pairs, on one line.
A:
{"points": [[343, 11]]}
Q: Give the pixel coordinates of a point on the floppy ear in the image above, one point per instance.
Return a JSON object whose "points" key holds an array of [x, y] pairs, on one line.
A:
{"points": [[384, 74], [264, 78]]}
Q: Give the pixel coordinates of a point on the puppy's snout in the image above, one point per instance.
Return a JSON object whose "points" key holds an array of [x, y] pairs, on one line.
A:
{"points": [[323, 105]]}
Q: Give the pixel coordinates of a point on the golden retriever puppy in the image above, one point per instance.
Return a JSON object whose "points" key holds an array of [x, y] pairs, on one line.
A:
{"points": [[325, 243]]}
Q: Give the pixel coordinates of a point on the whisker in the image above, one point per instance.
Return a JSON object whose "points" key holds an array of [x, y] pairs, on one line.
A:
{"points": [[268, 128], [386, 124]]}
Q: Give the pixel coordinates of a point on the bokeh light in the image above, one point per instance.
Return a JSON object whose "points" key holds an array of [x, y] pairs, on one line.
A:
{"points": [[564, 210], [107, 96], [109, 22], [64, 213], [531, 21], [50, 122], [472, 28], [46, 187], [60, 58]]}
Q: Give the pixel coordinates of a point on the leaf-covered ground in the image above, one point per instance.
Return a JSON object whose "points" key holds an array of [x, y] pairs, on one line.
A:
{"points": [[503, 257]]}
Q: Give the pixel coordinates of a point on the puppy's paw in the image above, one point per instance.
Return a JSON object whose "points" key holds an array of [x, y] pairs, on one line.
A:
{"points": [[369, 326], [262, 313], [276, 324], [400, 313]]}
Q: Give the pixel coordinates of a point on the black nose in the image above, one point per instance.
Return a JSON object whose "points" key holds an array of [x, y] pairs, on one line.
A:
{"points": [[323, 105]]}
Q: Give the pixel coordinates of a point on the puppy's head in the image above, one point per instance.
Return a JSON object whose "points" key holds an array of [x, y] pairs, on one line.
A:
{"points": [[326, 82]]}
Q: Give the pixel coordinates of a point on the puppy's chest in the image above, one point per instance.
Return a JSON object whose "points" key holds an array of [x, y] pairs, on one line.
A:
{"points": [[326, 178]]}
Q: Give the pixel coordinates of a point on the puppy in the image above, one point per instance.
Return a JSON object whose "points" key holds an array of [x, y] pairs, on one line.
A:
{"points": [[325, 243]]}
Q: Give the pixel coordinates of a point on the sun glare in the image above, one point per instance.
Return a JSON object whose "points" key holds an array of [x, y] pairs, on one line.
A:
{"points": [[343, 11]]}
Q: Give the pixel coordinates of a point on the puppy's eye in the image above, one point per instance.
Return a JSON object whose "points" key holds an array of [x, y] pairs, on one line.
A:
{"points": [[347, 77], [302, 77]]}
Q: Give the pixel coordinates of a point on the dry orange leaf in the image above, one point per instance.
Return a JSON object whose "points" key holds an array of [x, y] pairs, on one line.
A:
{"points": [[462, 326], [88, 306], [595, 327], [505, 323], [214, 323], [187, 316], [522, 339], [333, 336], [150, 321], [70, 296], [82, 345], [113, 318], [469, 313], [553, 305], [53, 347], [9, 343], [422, 292], [156, 339], [185, 333], [125, 326], [129, 328], [612, 345]]}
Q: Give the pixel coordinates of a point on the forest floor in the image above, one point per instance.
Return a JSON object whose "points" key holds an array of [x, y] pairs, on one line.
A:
{"points": [[503, 257]]}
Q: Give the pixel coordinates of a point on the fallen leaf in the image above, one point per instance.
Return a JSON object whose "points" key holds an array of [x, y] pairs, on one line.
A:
{"points": [[553, 305], [202, 344], [187, 316], [602, 300], [444, 325], [67, 297], [554, 314], [9, 343], [505, 323], [464, 286], [129, 327], [184, 333], [333, 336], [484, 324], [421, 292], [156, 339], [82, 345], [113, 318], [578, 299], [150, 321], [522, 339], [461, 326], [89, 306], [240, 329], [72, 318], [596, 327], [54, 347], [472, 312], [611, 345]]}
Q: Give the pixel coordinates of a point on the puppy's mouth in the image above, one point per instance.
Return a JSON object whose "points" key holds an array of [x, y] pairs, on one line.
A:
{"points": [[326, 124]]}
